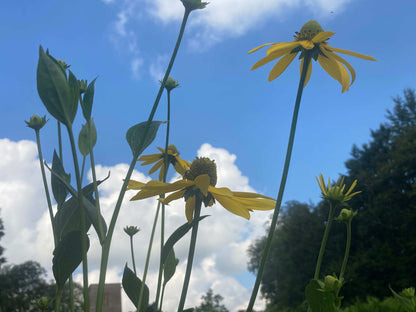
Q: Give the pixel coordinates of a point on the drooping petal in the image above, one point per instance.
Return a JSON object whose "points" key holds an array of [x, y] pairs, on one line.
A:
{"points": [[333, 68], [308, 45], [259, 47], [153, 188], [189, 208], [161, 150], [252, 195], [322, 36], [280, 66], [308, 73], [270, 58], [282, 46], [224, 191], [365, 57], [232, 206], [174, 196], [255, 203], [162, 170], [202, 182], [135, 185], [149, 159], [341, 60], [156, 166]]}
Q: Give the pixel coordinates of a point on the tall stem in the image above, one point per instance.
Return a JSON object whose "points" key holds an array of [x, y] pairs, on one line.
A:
{"points": [[132, 254], [266, 252], [83, 223], [198, 203], [347, 251], [324, 240]]}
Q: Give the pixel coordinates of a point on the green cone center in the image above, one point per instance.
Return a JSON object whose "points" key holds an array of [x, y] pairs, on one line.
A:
{"points": [[202, 165]]}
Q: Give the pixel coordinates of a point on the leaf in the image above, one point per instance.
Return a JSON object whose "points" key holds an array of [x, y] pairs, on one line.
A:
{"points": [[169, 267], [176, 236], [131, 285], [59, 190], [87, 137], [320, 300], [67, 256], [141, 135], [86, 103]]}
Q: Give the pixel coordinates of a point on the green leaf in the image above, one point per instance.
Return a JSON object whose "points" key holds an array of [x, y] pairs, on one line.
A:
{"points": [[87, 137], [169, 267], [176, 236], [86, 103], [141, 135], [59, 189], [55, 90], [131, 285], [67, 256], [320, 300]]}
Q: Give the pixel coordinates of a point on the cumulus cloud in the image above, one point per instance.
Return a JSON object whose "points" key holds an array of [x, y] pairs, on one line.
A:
{"points": [[222, 241]]}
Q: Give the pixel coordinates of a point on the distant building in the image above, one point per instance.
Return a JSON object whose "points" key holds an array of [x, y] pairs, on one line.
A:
{"points": [[111, 300]]}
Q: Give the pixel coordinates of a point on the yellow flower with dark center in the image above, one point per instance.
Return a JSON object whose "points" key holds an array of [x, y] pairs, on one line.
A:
{"points": [[335, 194], [179, 164], [311, 40], [200, 181]]}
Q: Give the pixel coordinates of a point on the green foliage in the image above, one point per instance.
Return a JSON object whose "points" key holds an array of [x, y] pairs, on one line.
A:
{"points": [[2, 259], [141, 135], [211, 303], [131, 285], [373, 304]]}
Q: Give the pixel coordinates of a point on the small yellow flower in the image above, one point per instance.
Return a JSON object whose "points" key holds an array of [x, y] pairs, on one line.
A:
{"points": [[200, 180], [335, 194], [179, 164], [311, 40]]}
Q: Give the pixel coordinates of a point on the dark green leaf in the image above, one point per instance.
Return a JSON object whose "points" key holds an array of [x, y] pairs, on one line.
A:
{"points": [[169, 266], [87, 100], [67, 256], [59, 190], [189, 310], [72, 106], [131, 285], [176, 236], [87, 137], [141, 135], [320, 300]]}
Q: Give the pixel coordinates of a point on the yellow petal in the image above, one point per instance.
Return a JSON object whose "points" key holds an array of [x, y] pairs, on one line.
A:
{"points": [[322, 36], [308, 73], [365, 57], [341, 60], [161, 150], [156, 166], [308, 45], [167, 187], [149, 159], [255, 203], [202, 182], [270, 58], [232, 206], [162, 171], [259, 47], [280, 66], [174, 196], [224, 191], [135, 185], [282, 46], [189, 208], [335, 70], [252, 195]]}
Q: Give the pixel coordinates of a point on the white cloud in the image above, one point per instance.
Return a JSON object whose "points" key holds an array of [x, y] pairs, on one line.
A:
{"points": [[222, 240], [158, 67]]}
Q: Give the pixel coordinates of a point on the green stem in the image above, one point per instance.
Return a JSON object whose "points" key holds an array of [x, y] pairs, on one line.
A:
{"points": [[132, 254], [107, 242], [97, 198], [266, 252], [83, 167], [161, 298], [198, 203], [83, 223], [149, 251], [347, 251], [324, 240]]}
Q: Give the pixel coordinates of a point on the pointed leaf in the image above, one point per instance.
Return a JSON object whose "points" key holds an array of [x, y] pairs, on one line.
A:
{"points": [[59, 190], [86, 103], [67, 256], [176, 236], [72, 106], [87, 137], [169, 267], [131, 285], [141, 135]]}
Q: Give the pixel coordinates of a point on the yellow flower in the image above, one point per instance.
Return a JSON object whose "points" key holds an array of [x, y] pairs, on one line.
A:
{"points": [[311, 40], [179, 164], [335, 194], [200, 181]]}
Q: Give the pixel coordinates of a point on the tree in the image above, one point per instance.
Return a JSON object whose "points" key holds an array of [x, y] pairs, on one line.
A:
{"points": [[211, 303], [2, 259]]}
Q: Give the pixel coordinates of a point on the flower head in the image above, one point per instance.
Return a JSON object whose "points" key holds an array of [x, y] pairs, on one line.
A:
{"points": [[346, 215], [171, 84], [335, 194], [179, 164], [332, 283], [131, 230], [200, 180], [191, 5], [35, 122], [311, 40]]}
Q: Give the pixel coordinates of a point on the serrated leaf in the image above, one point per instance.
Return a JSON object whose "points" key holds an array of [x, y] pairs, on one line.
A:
{"points": [[59, 189], [141, 135], [169, 267], [132, 285], [67, 256], [176, 236], [87, 100], [87, 137]]}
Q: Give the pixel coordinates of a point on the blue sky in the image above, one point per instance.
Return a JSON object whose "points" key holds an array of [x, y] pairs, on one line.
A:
{"points": [[127, 43]]}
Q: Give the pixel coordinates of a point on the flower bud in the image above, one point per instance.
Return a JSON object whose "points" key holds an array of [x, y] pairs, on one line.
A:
{"points": [[131, 230], [82, 84], [36, 122], [331, 283], [408, 292], [171, 84], [191, 5], [346, 215], [43, 303]]}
